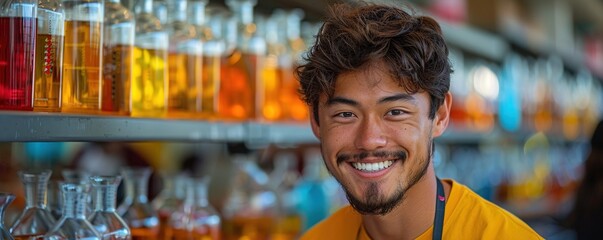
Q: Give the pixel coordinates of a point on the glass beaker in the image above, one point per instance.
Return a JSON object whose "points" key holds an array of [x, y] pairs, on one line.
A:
{"points": [[73, 223], [49, 56], [169, 200], [251, 209], [82, 55], [5, 200], [36, 219], [104, 218], [150, 73], [17, 53], [136, 210], [196, 218]]}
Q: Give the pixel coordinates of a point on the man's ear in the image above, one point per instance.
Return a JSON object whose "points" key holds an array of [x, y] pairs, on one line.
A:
{"points": [[442, 116], [313, 121]]}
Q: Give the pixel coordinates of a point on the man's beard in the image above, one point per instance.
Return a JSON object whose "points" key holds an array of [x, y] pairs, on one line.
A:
{"points": [[374, 202]]}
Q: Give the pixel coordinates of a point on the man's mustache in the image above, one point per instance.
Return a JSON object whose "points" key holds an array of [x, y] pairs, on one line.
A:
{"points": [[343, 157]]}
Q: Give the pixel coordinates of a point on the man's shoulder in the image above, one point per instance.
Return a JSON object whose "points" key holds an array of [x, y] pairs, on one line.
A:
{"points": [[343, 224], [480, 216]]}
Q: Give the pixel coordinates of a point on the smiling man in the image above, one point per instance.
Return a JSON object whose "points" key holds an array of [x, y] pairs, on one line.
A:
{"points": [[377, 82]]}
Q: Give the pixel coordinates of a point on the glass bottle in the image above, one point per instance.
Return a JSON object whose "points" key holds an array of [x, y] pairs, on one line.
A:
{"points": [[35, 220], [283, 179], [73, 224], [82, 56], [104, 219], [185, 62], [241, 63], [195, 218], [269, 86], [118, 46], [136, 210], [296, 109], [251, 209], [49, 56], [17, 53], [150, 73], [5, 200], [169, 200], [209, 31]]}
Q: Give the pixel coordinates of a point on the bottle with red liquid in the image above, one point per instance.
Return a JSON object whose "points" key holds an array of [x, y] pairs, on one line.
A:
{"points": [[17, 53]]}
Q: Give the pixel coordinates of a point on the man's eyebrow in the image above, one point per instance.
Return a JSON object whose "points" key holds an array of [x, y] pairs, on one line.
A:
{"points": [[341, 100], [401, 96]]}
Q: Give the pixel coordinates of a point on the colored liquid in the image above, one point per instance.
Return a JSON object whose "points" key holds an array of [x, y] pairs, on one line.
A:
{"points": [[260, 228], [203, 233], [269, 91], [164, 224], [149, 83], [144, 233], [17, 50], [238, 86], [184, 96], [81, 66], [47, 84], [211, 85], [117, 75], [288, 228], [29, 237], [295, 109]]}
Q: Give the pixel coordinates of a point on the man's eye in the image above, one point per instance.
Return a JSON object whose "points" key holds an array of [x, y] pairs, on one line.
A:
{"points": [[395, 112], [345, 115]]}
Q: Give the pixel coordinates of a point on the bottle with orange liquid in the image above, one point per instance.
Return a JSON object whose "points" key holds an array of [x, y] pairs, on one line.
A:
{"points": [[184, 63], [135, 209], [118, 58], [49, 56], [17, 53], [82, 56], [251, 210], [169, 200], [241, 63], [149, 73], [270, 86], [296, 109], [208, 28], [195, 218]]}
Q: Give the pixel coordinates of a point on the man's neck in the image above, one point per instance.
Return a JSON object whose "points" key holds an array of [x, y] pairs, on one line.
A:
{"points": [[412, 217]]}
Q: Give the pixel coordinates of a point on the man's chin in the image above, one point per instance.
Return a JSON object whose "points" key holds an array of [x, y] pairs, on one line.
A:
{"points": [[374, 203]]}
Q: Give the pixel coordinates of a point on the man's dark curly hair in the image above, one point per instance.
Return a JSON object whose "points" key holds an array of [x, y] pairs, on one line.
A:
{"points": [[412, 47]]}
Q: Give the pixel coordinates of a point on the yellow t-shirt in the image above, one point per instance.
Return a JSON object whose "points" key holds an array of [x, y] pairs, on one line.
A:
{"points": [[467, 216]]}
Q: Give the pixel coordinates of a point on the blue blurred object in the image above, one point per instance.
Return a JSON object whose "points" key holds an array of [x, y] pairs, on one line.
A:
{"points": [[313, 203], [44, 152], [509, 102]]}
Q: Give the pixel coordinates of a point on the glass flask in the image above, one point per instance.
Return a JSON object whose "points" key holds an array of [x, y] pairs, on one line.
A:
{"points": [[196, 218], [169, 200], [118, 46], [54, 199], [104, 219], [80, 177], [5, 200], [49, 56], [36, 219], [73, 224], [17, 53], [150, 73], [82, 55], [283, 179], [209, 31], [251, 209], [136, 210], [185, 63], [240, 63]]}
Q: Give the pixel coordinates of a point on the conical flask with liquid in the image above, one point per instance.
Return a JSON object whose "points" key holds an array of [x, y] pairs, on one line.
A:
{"points": [[136, 210], [36, 219], [73, 223], [105, 218]]}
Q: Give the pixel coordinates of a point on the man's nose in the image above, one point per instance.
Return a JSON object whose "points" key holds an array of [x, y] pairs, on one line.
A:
{"points": [[370, 134]]}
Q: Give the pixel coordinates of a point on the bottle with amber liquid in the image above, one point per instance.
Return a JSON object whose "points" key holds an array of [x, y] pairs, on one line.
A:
{"points": [[241, 63], [169, 200], [49, 56], [208, 27], [150, 73], [17, 53], [269, 86], [136, 210], [118, 58], [184, 62], [296, 109], [82, 56]]}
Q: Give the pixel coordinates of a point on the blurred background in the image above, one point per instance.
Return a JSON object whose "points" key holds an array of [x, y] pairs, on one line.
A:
{"points": [[527, 100]]}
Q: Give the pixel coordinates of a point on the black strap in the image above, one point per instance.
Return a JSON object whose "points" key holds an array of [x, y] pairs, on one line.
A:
{"points": [[438, 221]]}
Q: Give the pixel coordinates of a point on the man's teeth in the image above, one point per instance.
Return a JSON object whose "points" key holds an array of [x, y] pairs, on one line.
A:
{"points": [[372, 166]]}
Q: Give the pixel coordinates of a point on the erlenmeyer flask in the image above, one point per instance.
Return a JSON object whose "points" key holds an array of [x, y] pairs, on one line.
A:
{"points": [[5, 200], [169, 200], [73, 224], [251, 209], [196, 218], [35, 220], [136, 210], [104, 218]]}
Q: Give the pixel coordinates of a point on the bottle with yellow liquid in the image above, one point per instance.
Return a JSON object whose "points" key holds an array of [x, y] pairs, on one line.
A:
{"points": [[118, 46], [49, 56], [149, 73], [296, 109], [208, 28], [184, 63], [270, 87], [241, 63], [82, 56]]}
